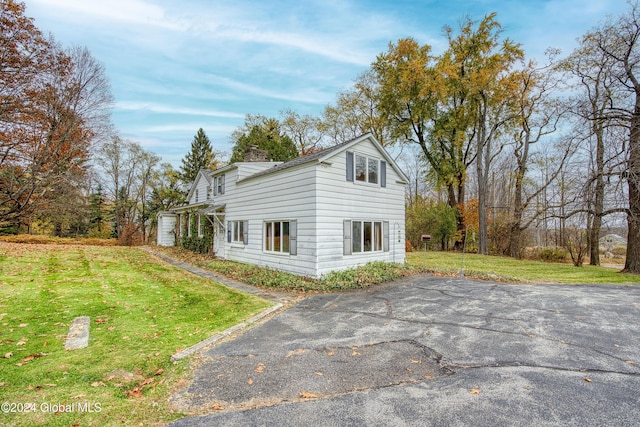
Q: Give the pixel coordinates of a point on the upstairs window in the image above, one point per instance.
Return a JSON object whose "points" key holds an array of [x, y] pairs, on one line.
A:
{"points": [[362, 168], [218, 185]]}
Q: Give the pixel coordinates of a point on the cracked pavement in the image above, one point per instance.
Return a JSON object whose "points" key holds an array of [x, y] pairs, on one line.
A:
{"points": [[430, 351]]}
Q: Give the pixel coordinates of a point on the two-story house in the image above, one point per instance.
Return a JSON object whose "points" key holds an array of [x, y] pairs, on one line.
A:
{"points": [[332, 210]]}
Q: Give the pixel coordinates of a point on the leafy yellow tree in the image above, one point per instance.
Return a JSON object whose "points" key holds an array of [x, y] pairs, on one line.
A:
{"points": [[481, 85], [453, 106]]}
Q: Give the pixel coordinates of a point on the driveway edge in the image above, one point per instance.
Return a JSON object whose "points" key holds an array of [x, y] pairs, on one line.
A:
{"points": [[209, 341]]}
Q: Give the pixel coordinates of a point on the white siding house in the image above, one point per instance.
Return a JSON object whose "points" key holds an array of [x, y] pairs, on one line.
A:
{"points": [[331, 210]]}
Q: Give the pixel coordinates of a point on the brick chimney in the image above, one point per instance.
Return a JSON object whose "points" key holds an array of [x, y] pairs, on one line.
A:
{"points": [[254, 154]]}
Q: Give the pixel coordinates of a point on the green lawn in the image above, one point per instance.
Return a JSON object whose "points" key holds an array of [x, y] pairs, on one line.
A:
{"points": [[142, 311], [510, 269]]}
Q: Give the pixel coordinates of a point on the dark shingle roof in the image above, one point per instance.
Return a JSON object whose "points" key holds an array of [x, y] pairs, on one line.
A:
{"points": [[300, 160]]}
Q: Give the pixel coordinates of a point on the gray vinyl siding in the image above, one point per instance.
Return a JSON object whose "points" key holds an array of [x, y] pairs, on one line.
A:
{"points": [[285, 196], [339, 200]]}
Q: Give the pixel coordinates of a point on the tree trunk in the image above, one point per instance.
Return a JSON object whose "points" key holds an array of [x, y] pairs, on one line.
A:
{"points": [[632, 263], [515, 244]]}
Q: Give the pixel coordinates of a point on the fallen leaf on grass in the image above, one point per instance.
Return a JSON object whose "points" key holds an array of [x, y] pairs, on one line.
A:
{"points": [[1, 384], [159, 372], [23, 325], [146, 382], [98, 384], [136, 392], [474, 391], [8, 355], [22, 341]]}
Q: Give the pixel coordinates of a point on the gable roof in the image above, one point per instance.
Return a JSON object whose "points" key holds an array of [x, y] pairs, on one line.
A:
{"points": [[323, 155], [206, 173]]}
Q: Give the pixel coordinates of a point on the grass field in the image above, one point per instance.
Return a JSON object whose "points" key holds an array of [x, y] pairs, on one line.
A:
{"points": [[142, 311], [509, 269]]}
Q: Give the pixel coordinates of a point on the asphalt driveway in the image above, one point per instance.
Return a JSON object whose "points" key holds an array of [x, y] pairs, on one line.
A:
{"points": [[431, 351]]}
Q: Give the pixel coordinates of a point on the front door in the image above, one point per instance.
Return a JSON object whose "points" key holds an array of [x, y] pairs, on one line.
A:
{"points": [[219, 240]]}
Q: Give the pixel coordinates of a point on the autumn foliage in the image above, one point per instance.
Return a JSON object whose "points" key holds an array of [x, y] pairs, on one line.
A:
{"points": [[51, 104]]}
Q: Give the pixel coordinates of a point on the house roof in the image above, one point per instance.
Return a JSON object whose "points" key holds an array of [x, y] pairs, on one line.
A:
{"points": [[323, 155], [206, 173]]}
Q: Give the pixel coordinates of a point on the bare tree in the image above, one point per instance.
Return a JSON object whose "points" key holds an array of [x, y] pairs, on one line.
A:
{"points": [[619, 40]]}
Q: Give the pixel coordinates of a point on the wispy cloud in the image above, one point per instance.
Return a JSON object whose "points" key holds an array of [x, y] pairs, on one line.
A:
{"points": [[168, 109], [125, 11]]}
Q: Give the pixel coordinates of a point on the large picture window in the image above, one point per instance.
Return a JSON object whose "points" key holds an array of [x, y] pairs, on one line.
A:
{"points": [[279, 237], [365, 236]]}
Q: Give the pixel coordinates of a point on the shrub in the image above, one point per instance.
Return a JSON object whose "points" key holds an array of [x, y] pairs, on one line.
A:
{"points": [[200, 245], [51, 240], [553, 254]]}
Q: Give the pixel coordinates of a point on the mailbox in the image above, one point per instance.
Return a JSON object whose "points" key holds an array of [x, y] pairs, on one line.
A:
{"points": [[426, 238]]}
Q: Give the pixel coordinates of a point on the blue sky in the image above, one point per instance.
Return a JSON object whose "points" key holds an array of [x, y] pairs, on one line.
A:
{"points": [[176, 66]]}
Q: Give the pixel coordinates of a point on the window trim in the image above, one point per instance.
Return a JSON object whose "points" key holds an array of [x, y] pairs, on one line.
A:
{"points": [[351, 169], [238, 232], [269, 242], [218, 185], [354, 235]]}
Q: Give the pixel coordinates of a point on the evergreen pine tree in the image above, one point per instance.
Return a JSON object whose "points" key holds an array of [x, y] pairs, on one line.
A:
{"points": [[201, 156]]}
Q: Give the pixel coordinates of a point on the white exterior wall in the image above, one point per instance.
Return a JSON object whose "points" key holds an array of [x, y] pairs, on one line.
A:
{"points": [[166, 229], [285, 196], [339, 200], [200, 189]]}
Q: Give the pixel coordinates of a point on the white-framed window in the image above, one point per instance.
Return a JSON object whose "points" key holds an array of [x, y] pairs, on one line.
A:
{"points": [[362, 168], [363, 236], [367, 236], [238, 232], [280, 237], [366, 169], [218, 185]]}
